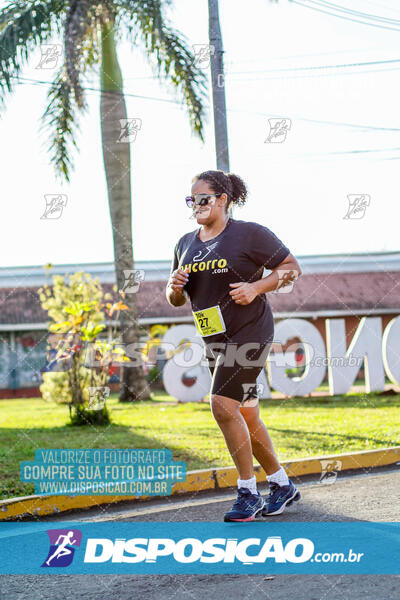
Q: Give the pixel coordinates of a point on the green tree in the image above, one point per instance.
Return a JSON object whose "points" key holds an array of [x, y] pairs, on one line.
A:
{"points": [[91, 30]]}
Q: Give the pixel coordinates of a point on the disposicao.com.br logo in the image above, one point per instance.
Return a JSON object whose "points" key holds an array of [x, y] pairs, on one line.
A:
{"points": [[248, 551], [151, 547]]}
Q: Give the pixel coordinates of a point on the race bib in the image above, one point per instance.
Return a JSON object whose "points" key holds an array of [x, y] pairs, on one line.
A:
{"points": [[209, 321]]}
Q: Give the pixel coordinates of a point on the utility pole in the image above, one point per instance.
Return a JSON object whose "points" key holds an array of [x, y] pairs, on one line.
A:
{"points": [[218, 88]]}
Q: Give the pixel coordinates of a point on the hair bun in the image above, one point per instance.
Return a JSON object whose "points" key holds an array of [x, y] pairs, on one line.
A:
{"points": [[239, 189]]}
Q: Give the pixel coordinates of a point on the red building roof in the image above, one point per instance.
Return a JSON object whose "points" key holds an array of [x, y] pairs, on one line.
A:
{"points": [[347, 293]]}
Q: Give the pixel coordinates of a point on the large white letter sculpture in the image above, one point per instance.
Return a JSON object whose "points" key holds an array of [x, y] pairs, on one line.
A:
{"points": [[313, 345], [190, 359], [365, 346], [343, 366], [391, 350], [182, 362]]}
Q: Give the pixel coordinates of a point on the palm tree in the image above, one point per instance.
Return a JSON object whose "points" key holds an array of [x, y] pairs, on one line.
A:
{"points": [[91, 30]]}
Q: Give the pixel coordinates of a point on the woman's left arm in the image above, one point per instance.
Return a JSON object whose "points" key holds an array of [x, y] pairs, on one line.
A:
{"points": [[283, 274]]}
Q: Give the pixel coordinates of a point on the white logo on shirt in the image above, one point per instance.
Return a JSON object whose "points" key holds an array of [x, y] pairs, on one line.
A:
{"points": [[207, 251]]}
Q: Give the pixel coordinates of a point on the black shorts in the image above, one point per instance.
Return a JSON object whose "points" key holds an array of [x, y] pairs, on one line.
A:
{"points": [[235, 367]]}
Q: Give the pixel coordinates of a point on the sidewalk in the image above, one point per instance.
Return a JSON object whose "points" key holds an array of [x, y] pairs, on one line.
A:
{"points": [[204, 479]]}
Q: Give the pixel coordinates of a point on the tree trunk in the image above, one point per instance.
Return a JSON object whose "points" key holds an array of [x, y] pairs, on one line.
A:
{"points": [[116, 157]]}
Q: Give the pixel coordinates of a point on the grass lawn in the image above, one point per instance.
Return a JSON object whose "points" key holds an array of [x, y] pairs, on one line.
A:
{"points": [[299, 427]]}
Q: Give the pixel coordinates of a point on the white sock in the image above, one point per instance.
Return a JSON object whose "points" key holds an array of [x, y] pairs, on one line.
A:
{"points": [[280, 477], [250, 484]]}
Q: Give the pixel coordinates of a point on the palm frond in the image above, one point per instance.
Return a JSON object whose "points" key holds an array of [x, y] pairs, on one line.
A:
{"points": [[60, 118], [174, 59], [9, 11], [61, 115], [79, 22], [23, 26]]}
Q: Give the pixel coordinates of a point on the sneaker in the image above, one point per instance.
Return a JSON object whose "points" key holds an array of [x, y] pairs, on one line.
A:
{"points": [[279, 497], [246, 506]]}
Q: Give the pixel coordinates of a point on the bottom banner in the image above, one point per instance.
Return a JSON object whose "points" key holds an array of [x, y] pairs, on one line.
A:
{"points": [[201, 547]]}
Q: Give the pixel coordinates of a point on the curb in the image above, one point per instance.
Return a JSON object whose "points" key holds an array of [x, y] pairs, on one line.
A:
{"points": [[196, 481]]}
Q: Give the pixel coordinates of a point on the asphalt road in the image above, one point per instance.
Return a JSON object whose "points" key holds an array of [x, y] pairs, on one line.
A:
{"points": [[362, 497]]}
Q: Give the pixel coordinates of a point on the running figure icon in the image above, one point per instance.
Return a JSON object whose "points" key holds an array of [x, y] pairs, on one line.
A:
{"points": [[62, 550]]}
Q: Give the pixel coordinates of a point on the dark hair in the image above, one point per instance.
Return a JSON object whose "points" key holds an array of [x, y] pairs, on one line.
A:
{"points": [[221, 182]]}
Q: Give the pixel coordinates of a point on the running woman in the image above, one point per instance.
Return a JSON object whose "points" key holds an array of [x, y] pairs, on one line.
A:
{"points": [[219, 267]]}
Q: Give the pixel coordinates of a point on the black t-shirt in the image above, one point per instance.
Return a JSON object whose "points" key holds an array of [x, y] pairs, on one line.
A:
{"points": [[238, 254]]}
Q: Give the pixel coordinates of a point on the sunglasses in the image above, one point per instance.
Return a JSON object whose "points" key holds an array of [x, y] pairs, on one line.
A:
{"points": [[200, 199]]}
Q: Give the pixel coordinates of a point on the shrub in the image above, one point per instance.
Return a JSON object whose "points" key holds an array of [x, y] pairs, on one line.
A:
{"points": [[76, 309]]}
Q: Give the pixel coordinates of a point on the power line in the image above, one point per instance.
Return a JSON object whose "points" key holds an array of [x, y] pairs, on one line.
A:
{"points": [[360, 154], [376, 4], [318, 122], [342, 17], [385, 6], [286, 57], [366, 151], [332, 6], [280, 70], [266, 115], [312, 76], [39, 82], [313, 68]]}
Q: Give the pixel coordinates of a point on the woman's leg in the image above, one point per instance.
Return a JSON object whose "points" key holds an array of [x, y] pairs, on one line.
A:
{"points": [[226, 412], [261, 442]]}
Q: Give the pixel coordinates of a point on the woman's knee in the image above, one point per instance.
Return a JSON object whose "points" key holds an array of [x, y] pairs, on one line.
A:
{"points": [[224, 409], [252, 419]]}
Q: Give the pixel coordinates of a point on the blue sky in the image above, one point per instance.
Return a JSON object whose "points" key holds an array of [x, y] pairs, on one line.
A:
{"points": [[283, 60]]}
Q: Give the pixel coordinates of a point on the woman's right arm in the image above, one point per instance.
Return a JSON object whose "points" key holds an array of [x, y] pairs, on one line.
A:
{"points": [[174, 292]]}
